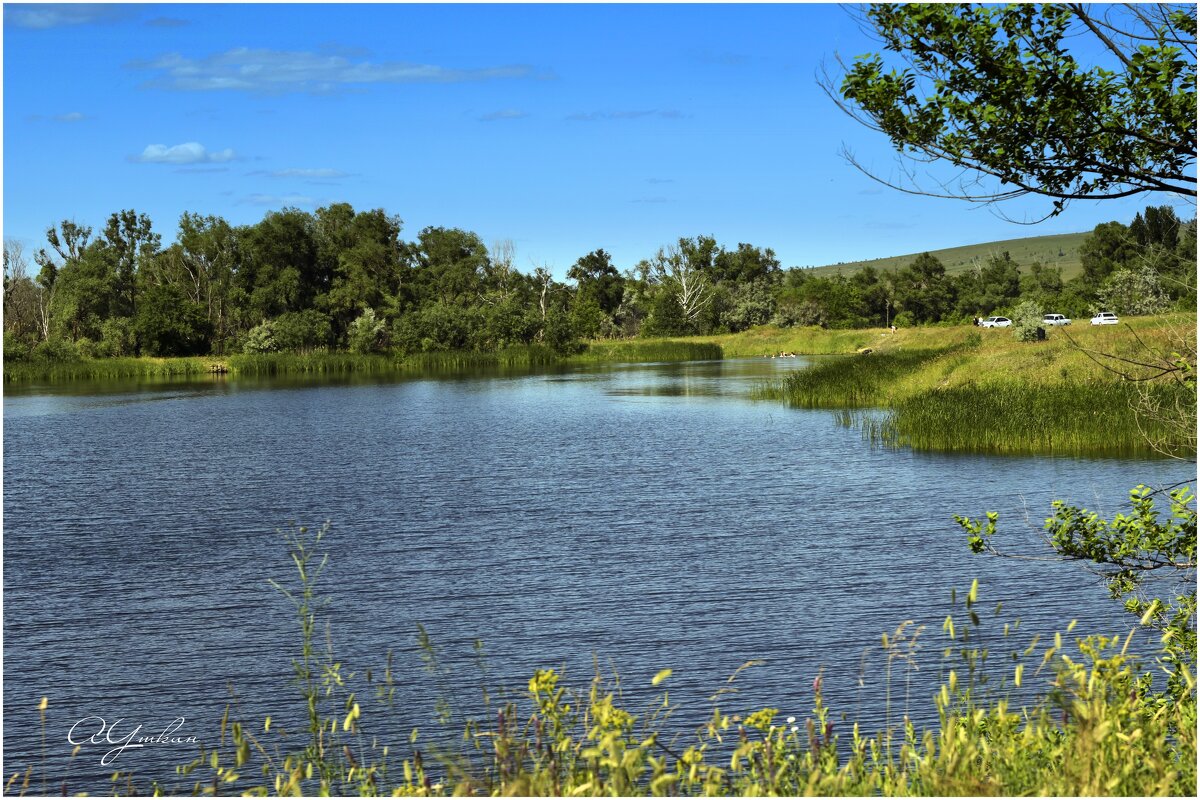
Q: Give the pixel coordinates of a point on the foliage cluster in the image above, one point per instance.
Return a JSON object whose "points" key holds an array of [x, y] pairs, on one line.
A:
{"points": [[340, 280]]}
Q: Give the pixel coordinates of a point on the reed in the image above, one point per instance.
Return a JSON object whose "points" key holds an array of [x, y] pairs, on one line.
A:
{"points": [[1093, 418], [853, 381], [342, 363], [646, 350]]}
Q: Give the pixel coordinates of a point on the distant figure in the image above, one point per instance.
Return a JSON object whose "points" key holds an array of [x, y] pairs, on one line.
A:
{"points": [[893, 329], [975, 321]]}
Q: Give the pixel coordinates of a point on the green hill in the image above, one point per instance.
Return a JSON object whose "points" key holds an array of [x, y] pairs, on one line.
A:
{"points": [[1061, 250]]}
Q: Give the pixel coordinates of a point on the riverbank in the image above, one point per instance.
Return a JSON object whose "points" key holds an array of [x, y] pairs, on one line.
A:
{"points": [[1083, 391]]}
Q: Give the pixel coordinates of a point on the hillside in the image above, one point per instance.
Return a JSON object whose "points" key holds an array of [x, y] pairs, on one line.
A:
{"points": [[1060, 250]]}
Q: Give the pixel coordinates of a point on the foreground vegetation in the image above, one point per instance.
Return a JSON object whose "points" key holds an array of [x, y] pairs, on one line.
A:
{"points": [[1103, 722]]}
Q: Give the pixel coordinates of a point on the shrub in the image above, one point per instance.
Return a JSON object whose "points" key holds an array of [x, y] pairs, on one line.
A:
{"points": [[365, 334], [260, 339], [1027, 322]]}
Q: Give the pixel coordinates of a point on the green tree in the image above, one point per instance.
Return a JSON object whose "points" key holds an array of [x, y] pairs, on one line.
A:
{"points": [[1135, 292], [168, 323], [302, 331], [1006, 94], [922, 289], [598, 280], [279, 269], [1109, 247], [133, 243]]}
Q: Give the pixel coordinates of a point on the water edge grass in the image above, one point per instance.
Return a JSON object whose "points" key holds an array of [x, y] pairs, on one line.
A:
{"points": [[341, 363]]}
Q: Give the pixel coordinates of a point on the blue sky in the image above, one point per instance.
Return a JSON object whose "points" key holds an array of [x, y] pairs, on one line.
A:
{"points": [[561, 128]]}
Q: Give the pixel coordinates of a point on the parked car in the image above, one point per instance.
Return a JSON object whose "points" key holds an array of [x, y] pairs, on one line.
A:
{"points": [[996, 322], [1105, 318], [1055, 319]]}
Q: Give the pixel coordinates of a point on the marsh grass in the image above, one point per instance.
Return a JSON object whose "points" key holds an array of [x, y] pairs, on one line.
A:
{"points": [[646, 350], [1092, 418], [956, 389], [338, 363]]}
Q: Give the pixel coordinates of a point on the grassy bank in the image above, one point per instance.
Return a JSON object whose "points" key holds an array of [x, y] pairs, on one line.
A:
{"points": [[979, 390], [637, 350]]}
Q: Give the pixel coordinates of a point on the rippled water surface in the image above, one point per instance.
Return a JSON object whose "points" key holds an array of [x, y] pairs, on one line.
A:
{"points": [[635, 517]]}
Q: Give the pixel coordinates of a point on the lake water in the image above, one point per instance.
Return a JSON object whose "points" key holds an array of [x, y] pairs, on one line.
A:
{"points": [[638, 517]]}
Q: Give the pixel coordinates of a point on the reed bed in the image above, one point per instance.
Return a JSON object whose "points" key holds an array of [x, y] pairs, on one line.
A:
{"points": [[646, 350], [1093, 418], [107, 368], [270, 364], [860, 381]]}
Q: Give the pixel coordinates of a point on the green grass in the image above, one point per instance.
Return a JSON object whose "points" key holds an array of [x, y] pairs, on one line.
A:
{"points": [[969, 390], [646, 350], [1010, 417], [1025, 251], [270, 364]]}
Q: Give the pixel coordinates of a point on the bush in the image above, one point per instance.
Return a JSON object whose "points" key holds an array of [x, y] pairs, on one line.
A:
{"points": [[260, 339], [302, 331], [1027, 322], [365, 334], [17, 349], [57, 349], [118, 338]]}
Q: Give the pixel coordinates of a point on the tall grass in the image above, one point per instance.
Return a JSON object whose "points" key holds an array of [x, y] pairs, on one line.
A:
{"points": [[107, 368], [340, 363], [850, 382], [1092, 418], [646, 350]]}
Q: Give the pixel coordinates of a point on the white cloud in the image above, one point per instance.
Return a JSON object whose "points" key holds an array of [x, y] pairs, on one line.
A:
{"points": [[187, 153], [55, 15], [73, 116], [277, 71]]}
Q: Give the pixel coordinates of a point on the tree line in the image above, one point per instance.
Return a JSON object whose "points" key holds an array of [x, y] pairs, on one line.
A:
{"points": [[344, 279]]}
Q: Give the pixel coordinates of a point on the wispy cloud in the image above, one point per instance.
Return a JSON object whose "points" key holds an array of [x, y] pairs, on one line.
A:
{"points": [[57, 15], [508, 113], [70, 116], [167, 22], [278, 71], [279, 200], [187, 153], [312, 174], [596, 116], [660, 180]]}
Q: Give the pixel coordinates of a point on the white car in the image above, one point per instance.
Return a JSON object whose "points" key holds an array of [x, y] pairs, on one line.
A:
{"points": [[1105, 318], [996, 322], [1055, 319]]}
